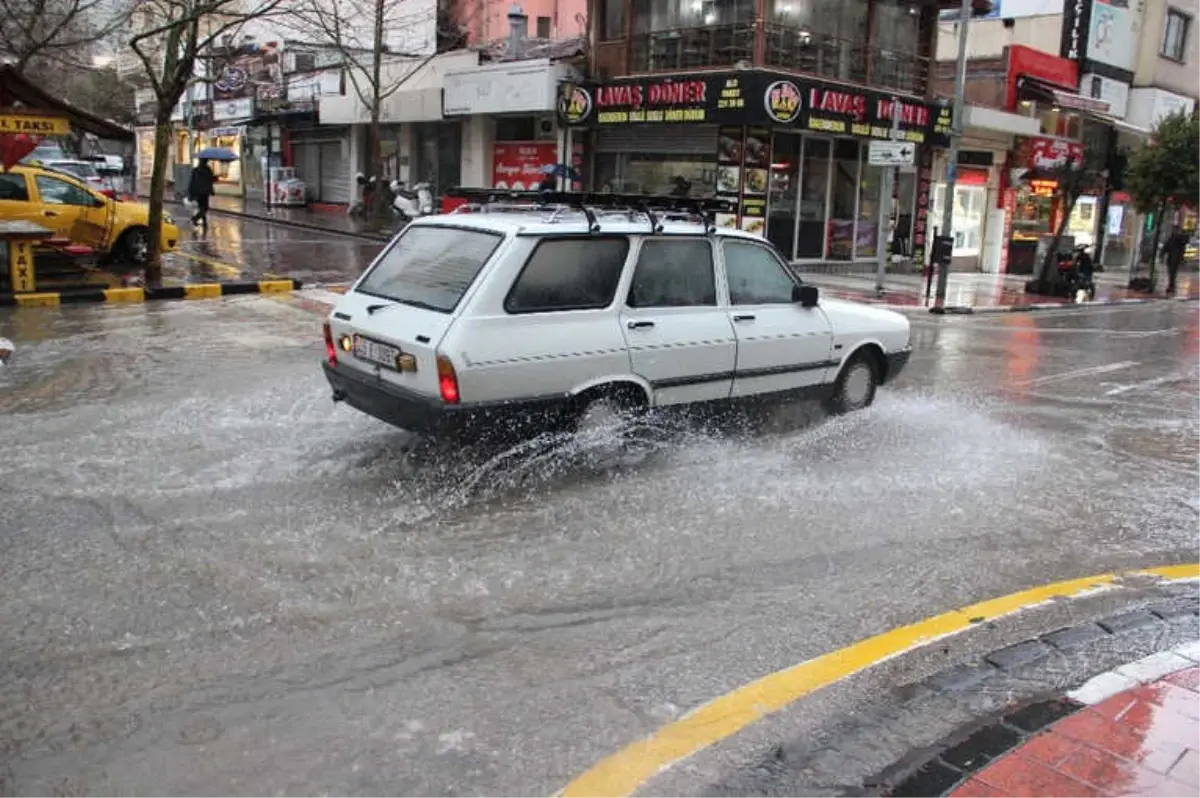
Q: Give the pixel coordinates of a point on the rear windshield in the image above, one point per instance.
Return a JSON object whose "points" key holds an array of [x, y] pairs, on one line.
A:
{"points": [[83, 170], [430, 267]]}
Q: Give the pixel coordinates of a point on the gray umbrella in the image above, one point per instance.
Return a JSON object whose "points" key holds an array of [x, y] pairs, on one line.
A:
{"points": [[216, 154]]}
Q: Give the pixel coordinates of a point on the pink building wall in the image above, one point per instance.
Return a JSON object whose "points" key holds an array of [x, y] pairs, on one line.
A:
{"points": [[487, 20]]}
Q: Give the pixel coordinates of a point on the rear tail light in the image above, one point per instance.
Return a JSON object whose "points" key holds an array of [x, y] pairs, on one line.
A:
{"points": [[447, 380], [330, 349]]}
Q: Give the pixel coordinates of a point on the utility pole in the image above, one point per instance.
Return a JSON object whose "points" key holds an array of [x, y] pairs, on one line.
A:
{"points": [[956, 132], [885, 206]]}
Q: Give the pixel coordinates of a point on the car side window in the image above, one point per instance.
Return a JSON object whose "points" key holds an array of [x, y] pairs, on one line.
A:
{"points": [[756, 277], [673, 273], [60, 192], [569, 274], [13, 188]]}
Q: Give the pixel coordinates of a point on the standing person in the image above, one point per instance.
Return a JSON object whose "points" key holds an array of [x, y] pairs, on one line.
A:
{"points": [[1173, 251], [200, 189]]}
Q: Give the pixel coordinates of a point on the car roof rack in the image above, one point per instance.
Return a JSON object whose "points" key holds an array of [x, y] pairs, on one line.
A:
{"points": [[588, 203]]}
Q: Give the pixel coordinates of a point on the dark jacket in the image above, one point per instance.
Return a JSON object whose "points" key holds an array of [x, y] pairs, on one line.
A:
{"points": [[201, 184], [1174, 247]]}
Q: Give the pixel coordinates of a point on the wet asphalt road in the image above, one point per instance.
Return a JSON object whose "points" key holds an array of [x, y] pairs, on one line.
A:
{"points": [[216, 581]]}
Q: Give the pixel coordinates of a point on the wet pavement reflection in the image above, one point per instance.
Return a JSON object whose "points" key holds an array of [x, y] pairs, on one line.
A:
{"points": [[216, 580]]}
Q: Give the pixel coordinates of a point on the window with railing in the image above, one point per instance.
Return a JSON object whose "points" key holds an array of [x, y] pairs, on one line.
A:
{"points": [[689, 34]]}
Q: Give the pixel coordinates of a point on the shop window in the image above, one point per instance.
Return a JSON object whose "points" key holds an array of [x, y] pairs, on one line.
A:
{"points": [[653, 173], [967, 217], [755, 275], [439, 155], [569, 274], [672, 274], [897, 24], [870, 184], [1175, 33], [612, 16], [543, 27]]}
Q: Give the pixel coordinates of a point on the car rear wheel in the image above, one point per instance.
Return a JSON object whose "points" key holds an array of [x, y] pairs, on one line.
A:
{"points": [[135, 246], [603, 429], [855, 386]]}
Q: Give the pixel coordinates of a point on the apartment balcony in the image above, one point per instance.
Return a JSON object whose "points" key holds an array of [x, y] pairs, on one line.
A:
{"points": [[809, 52]]}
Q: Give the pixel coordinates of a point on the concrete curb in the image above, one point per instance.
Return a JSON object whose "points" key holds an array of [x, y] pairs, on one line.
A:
{"points": [[257, 217], [969, 310], [137, 294]]}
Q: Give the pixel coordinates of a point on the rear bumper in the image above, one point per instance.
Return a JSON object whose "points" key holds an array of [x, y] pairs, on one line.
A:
{"points": [[896, 361], [430, 416]]}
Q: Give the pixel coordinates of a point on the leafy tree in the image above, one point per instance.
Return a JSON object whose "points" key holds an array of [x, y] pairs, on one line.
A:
{"points": [[173, 35], [1164, 172]]}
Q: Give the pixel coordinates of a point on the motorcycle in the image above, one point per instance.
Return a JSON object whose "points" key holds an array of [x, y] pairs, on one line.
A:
{"points": [[1076, 270], [411, 203], [368, 186]]}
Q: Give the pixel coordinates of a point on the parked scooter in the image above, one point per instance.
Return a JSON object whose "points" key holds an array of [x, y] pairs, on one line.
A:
{"points": [[411, 203], [1077, 271]]}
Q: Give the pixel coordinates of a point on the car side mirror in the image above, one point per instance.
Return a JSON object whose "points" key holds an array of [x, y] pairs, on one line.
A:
{"points": [[806, 295]]}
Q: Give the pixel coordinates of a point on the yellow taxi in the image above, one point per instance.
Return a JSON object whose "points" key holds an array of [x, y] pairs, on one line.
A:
{"points": [[80, 214]]}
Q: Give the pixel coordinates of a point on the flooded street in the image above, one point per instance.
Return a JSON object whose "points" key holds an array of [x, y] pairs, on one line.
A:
{"points": [[215, 580]]}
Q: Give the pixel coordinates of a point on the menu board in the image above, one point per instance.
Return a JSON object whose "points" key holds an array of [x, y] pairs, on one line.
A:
{"points": [[921, 223], [743, 175]]}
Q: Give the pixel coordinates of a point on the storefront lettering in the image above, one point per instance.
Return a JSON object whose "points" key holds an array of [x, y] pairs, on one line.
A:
{"points": [[686, 92], [917, 115], [838, 102]]}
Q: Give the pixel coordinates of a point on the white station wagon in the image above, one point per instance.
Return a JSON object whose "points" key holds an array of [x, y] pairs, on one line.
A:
{"points": [[569, 309]]}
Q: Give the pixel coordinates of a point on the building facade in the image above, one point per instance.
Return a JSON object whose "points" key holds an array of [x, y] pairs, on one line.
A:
{"points": [[772, 104]]}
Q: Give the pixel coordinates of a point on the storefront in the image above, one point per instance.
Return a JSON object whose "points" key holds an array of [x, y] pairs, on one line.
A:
{"points": [[1034, 205], [790, 153]]}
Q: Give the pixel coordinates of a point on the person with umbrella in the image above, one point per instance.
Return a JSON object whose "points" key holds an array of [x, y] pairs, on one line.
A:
{"points": [[200, 188]]}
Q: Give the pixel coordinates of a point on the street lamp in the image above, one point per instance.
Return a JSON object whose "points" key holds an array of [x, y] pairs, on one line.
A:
{"points": [[956, 133]]}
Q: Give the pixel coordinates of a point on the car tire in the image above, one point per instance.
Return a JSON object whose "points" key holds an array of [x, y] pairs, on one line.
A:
{"points": [[601, 424], [855, 386], [135, 246]]}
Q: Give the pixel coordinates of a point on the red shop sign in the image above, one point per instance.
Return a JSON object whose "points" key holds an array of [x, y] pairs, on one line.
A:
{"points": [[518, 165], [1048, 153]]}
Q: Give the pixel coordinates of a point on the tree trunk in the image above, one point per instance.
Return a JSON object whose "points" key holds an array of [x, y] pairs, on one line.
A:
{"points": [[375, 150], [158, 185], [1050, 262]]}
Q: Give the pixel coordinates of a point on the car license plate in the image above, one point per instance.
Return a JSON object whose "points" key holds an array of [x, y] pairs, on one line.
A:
{"points": [[375, 352]]}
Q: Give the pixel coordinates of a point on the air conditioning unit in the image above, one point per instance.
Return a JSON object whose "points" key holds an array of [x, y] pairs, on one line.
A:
{"points": [[545, 128]]}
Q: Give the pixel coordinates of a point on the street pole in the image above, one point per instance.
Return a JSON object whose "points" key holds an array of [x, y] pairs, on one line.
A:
{"points": [[956, 132], [885, 207]]}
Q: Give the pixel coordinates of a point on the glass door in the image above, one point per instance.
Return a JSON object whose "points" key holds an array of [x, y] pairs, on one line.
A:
{"points": [[844, 199], [812, 201], [781, 202]]}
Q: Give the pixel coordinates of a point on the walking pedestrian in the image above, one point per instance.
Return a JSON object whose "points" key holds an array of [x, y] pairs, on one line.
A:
{"points": [[1173, 251], [200, 189]]}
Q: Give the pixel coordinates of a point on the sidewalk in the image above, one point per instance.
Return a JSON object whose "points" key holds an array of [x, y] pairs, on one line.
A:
{"points": [[979, 293], [1143, 740], [334, 219]]}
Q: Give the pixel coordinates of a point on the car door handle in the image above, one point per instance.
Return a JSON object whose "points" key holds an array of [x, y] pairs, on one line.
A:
{"points": [[744, 317], [49, 213], [640, 325]]}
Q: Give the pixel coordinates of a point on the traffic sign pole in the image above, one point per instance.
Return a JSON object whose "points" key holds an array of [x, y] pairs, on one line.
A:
{"points": [[956, 132], [882, 245]]}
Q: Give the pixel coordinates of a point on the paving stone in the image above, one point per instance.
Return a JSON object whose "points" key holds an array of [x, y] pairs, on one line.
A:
{"points": [[1040, 715], [1128, 620], [1075, 637], [981, 747], [1155, 666], [958, 678], [1020, 654]]}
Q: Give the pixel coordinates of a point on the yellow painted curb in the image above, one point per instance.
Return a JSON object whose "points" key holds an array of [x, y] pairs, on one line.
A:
{"points": [[36, 300], [627, 770], [202, 291], [124, 295], [274, 286]]}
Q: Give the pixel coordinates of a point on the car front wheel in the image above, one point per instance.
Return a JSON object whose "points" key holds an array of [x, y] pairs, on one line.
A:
{"points": [[135, 246], [855, 386]]}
